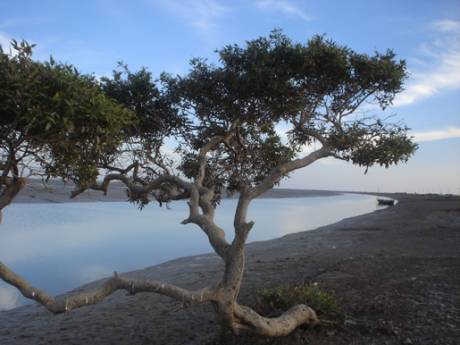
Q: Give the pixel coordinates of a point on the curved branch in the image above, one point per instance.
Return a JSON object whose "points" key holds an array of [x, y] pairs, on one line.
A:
{"points": [[132, 186], [216, 235], [241, 225], [200, 197], [120, 170], [281, 170], [250, 320], [204, 151], [58, 306]]}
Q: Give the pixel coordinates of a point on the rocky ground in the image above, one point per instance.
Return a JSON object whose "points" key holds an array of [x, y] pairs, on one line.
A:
{"points": [[395, 274]]}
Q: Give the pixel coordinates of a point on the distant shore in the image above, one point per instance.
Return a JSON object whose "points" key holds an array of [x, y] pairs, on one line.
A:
{"points": [[58, 192], [395, 273]]}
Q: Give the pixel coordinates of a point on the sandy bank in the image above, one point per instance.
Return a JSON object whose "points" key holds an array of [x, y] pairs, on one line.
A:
{"points": [[406, 256]]}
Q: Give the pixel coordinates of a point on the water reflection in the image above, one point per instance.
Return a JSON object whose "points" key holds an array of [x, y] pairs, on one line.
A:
{"points": [[58, 247]]}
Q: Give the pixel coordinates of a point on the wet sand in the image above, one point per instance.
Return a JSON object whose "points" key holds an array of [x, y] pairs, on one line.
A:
{"points": [[395, 272]]}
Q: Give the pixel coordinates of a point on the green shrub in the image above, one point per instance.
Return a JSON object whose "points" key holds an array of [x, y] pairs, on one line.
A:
{"points": [[282, 298]]}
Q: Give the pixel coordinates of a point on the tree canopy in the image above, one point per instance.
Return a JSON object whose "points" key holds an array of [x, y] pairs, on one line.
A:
{"points": [[54, 121], [74, 125], [312, 89]]}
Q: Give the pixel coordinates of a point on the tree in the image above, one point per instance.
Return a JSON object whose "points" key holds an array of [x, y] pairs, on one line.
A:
{"points": [[54, 122], [225, 118]]}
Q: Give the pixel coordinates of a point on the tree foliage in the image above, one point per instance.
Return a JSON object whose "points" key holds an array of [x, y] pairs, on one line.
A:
{"points": [[156, 114], [312, 89], [54, 121]]}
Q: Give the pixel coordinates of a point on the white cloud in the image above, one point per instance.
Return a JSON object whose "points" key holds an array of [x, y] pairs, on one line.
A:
{"points": [[5, 42], [200, 14], [451, 132], [441, 65], [285, 7], [447, 25]]}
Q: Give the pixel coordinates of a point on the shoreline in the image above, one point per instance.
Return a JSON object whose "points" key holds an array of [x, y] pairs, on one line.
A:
{"points": [[58, 192], [420, 231]]}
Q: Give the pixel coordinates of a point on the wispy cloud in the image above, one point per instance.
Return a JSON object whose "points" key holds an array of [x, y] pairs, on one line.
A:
{"points": [[5, 42], [448, 133], [285, 7], [447, 25], [202, 15], [441, 64]]}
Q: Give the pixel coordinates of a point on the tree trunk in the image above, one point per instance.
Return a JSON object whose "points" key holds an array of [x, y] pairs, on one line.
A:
{"points": [[12, 186], [242, 318]]}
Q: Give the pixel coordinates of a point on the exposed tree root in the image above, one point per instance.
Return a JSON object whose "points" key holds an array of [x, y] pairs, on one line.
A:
{"points": [[282, 325]]}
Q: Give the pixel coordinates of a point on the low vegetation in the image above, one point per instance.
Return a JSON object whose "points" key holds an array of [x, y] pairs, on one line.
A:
{"points": [[281, 298]]}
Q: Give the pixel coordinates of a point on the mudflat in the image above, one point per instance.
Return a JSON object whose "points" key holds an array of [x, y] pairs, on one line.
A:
{"points": [[394, 272]]}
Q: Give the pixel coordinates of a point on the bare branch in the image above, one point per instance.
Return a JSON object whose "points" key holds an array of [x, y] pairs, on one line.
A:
{"points": [[277, 173], [216, 235], [284, 324], [242, 227], [120, 170], [132, 186], [204, 151], [58, 306]]}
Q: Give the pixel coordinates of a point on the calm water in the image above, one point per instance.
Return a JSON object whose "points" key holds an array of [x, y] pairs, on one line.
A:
{"points": [[58, 247]]}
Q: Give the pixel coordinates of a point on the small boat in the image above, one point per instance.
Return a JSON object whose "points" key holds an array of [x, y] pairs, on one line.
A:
{"points": [[386, 202]]}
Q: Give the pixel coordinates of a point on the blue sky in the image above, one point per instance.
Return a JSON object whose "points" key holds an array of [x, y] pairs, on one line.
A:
{"points": [[163, 35]]}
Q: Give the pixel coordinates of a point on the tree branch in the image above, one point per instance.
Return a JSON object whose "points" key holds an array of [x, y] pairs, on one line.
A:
{"points": [[277, 173], [216, 235], [12, 186], [58, 306], [242, 227], [284, 324], [204, 151], [132, 186]]}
